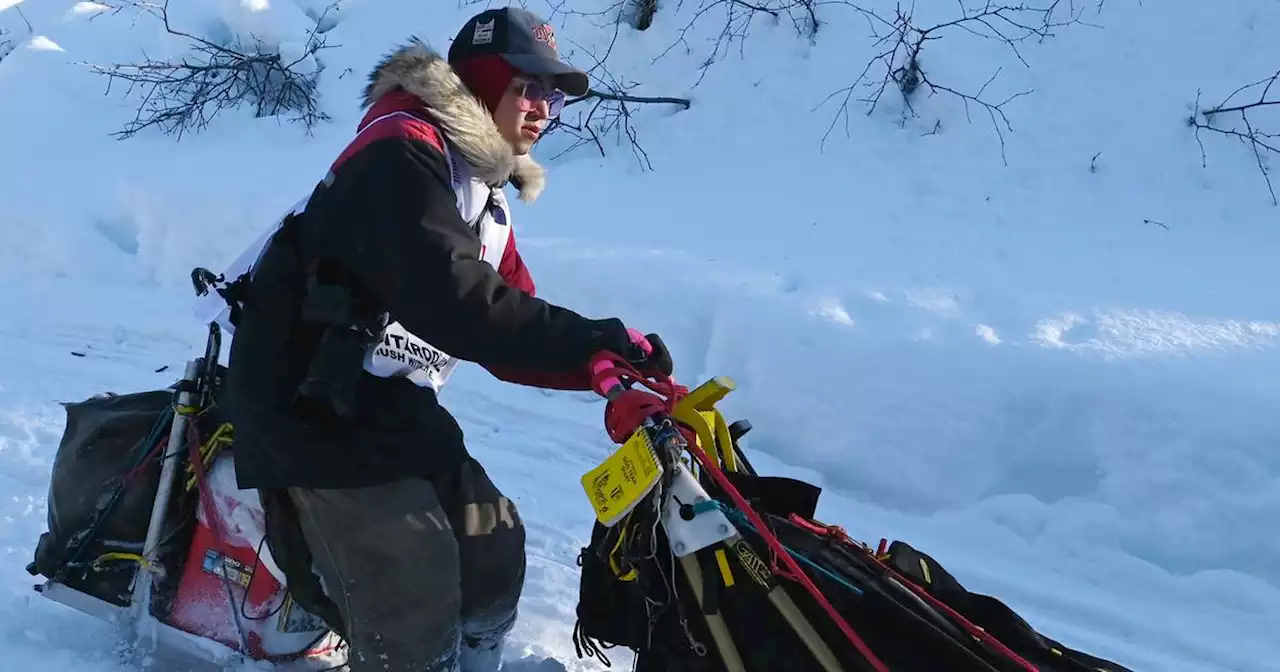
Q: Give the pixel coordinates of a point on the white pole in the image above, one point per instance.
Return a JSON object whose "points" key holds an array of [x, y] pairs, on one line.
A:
{"points": [[171, 462]]}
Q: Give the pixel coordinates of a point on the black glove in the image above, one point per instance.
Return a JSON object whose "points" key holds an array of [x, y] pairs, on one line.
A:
{"points": [[658, 360], [610, 334]]}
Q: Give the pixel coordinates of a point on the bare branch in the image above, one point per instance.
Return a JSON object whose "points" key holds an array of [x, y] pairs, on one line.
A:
{"points": [[1263, 143], [737, 17], [23, 16], [625, 98], [899, 43], [609, 110], [182, 95]]}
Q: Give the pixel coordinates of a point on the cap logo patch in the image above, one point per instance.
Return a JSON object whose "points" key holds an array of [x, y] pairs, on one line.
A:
{"points": [[544, 33], [483, 33]]}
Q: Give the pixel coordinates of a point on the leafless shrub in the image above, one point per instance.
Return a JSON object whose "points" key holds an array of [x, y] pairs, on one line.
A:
{"points": [[735, 19], [183, 95], [901, 42]]}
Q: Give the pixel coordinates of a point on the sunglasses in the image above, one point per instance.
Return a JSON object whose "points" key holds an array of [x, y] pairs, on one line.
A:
{"points": [[532, 92]]}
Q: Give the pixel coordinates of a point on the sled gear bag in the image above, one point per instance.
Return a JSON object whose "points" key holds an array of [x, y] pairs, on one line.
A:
{"points": [[633, 593], [103, 485]]}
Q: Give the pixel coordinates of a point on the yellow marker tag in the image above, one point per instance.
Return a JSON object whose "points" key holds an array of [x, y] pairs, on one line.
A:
{"points": [[623, 479]]}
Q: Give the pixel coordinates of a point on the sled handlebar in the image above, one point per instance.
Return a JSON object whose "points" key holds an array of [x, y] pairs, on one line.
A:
{"points": [[607, 386], [612, 377]]}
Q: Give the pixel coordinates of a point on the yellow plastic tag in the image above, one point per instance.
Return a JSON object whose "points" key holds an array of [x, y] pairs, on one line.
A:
{"points": [[623, 479]]}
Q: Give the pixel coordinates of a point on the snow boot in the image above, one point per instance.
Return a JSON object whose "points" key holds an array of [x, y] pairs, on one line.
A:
{"points": [[483, 644]]}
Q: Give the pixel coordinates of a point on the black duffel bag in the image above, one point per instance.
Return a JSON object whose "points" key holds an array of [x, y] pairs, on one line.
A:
{"points": [[101, 492], [911, 613]]}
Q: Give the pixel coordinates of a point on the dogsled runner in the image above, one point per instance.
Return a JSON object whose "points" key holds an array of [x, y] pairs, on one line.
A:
{"points": [[698, 564]]}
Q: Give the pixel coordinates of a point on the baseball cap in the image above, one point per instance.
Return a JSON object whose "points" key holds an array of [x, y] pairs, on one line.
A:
{"points": [[521, 38]]}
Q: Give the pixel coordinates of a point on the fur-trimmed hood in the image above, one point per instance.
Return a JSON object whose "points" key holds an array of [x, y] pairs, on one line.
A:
{"points": [[465, 121]]}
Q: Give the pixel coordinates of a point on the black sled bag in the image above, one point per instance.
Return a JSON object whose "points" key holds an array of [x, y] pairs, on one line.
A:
{"points": [[637, 599], [101, 491]]}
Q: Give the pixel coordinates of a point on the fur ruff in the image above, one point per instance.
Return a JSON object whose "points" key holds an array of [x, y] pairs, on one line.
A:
{"points": [[465, 121]]}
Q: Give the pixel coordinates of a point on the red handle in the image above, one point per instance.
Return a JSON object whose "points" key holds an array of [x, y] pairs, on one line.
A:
{"points": [[629, 408], [609, 385]]}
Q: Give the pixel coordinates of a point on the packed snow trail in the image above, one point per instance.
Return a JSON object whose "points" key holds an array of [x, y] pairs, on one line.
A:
{"points": [[1057, 377]]}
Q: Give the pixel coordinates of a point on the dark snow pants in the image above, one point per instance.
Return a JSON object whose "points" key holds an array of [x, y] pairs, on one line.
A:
{"points": [[423, 575]]}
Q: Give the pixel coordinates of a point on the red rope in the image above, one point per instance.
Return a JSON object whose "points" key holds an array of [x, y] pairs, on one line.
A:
{"points": [[839, 534], [158, 448], [672, 393], [205, 496], [776, 547]]}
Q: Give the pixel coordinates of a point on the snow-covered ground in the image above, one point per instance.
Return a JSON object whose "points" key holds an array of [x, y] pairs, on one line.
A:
{"points": [[1058, 376]]}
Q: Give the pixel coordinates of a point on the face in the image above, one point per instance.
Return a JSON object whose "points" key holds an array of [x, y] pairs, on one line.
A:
{"points": [[526, 108]]}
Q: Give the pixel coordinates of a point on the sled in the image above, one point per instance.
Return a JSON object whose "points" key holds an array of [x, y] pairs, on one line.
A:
{"points": [[153, 536], [697, 563]]}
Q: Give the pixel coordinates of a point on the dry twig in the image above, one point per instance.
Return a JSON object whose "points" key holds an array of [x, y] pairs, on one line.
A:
{"points": [[1263, 140], [607, 111]]}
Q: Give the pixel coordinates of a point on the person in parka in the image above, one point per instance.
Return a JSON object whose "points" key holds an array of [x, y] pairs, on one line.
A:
{"points": [[384, 524]]}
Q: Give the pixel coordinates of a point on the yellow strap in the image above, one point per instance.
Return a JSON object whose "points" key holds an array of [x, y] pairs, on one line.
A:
{"points": [[223, 436], [613, 552], [132, 557], [924, 567]]}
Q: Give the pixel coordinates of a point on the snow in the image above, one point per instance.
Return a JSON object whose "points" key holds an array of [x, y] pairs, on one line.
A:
{"points": [[1057, 376]]}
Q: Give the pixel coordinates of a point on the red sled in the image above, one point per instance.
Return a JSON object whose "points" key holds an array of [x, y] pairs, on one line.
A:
{"points": [[230, 591]]}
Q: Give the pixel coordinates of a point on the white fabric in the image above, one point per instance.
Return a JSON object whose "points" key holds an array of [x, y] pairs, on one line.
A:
{"points": [[239, 513], [212, 307]]}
